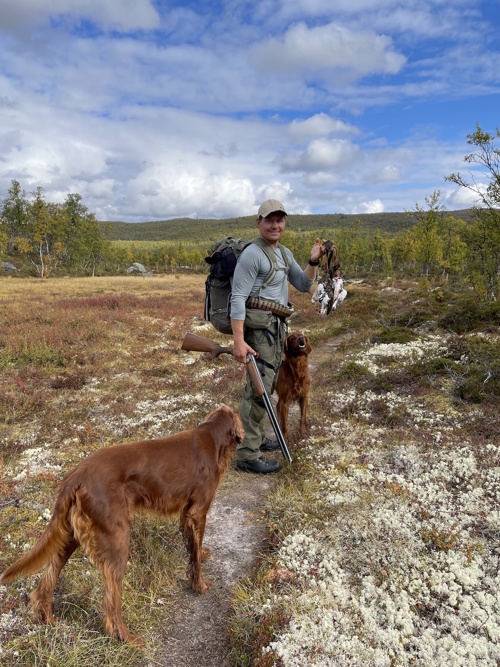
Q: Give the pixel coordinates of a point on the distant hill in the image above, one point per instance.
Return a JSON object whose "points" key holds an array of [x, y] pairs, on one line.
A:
{"points": [[189, 229]]}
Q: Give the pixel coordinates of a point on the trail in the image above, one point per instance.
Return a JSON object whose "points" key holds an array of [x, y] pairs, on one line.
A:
{"points": [[196, 635]]}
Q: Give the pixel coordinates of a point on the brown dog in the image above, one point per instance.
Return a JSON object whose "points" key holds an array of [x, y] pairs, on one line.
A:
{"points": [[294, 380], [178, 474]]}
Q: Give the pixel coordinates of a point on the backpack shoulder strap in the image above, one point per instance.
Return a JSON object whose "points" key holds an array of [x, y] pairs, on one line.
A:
{"points": [[286, 259], [272, 258]]}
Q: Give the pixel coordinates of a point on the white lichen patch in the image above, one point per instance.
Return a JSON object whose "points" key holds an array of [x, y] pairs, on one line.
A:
{"points": [[375, 357], [35, 461], [404, 575], [160, 417]]}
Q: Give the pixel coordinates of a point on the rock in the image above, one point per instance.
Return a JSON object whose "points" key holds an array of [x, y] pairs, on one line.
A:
{"points": [[140, 268], [7, 266]]}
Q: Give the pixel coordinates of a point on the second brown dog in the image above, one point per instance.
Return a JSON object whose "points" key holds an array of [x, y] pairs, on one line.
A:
{"points": [[178, 474], [294, 380]]}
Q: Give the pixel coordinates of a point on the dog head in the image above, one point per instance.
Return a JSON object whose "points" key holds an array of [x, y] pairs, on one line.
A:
{"points": [[297, 344], [227, 424]]}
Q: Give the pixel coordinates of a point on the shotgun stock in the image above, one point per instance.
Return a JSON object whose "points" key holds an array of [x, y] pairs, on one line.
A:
{"points": [[194, 343]]}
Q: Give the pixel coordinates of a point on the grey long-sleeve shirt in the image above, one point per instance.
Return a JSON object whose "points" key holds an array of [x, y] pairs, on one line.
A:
{"points": [[250, 274]]}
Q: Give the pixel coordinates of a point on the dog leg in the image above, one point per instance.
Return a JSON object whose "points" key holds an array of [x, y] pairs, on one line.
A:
{"points": [[109, 552], [114, 624], [193, 529], [41, 597], [282, 410], [303, 403]]}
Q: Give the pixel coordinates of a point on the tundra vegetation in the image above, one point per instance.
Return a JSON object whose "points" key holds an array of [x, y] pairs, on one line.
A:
{"points": [[382, 544], [383, 535]]}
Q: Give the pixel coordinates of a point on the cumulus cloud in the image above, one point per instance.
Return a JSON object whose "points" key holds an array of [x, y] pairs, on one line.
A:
{"points": [[328, 47], [320, 124], [170, 192], [375, 206], [321, 155], [458, 198]]}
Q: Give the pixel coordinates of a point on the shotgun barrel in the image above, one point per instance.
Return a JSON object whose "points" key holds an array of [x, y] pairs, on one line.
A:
{"points": [[260, 390]]}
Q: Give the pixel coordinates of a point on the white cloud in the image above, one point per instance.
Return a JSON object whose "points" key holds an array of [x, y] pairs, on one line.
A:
{"points": [[320, 124], [328, 47], [122, 15], [321, 155], [165, 191], [460, 19], [461, 197], [375, 206], [389, 173]]}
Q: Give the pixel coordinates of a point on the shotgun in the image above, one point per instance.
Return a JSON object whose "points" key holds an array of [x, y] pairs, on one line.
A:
{"points": [[260, 390], [194, 343]]}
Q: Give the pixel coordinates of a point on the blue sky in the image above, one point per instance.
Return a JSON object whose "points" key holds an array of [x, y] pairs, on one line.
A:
{"points": [[153, 109]]}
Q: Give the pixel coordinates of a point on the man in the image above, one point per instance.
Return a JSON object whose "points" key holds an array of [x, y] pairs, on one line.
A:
{"points": [[262, 332]]}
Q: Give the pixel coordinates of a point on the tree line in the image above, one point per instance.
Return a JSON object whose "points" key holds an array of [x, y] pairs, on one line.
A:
{"points": [[50, 235], [56, 238]]}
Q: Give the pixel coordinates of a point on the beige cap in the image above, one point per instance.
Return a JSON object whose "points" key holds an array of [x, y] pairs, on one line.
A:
{"points": [[271, 206]]}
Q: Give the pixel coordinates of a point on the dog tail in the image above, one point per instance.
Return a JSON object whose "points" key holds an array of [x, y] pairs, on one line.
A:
{"points": [[53, 539]]}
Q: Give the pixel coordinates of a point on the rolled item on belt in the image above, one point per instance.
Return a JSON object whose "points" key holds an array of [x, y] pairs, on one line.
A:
{"points": [[275, 308]]}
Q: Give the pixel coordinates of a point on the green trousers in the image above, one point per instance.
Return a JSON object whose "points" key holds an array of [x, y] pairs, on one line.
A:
{"points": [[269, 344]]}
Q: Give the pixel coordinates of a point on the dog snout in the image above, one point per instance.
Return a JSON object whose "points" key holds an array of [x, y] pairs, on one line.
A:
{"points": [[302, 342]]}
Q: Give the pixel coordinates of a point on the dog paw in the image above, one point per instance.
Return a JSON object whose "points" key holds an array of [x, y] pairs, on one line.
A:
{"points": [[135, 640], [42, 612], [201, 586], [206, 553]]}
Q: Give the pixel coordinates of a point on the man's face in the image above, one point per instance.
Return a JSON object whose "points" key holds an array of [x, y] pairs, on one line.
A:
{"points": [[272, 228]]}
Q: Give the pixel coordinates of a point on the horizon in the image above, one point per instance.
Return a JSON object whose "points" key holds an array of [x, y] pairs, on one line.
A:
{"points": [[176, 219]]}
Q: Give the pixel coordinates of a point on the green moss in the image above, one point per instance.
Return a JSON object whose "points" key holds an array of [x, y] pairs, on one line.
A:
{"points": [[401, 335]]}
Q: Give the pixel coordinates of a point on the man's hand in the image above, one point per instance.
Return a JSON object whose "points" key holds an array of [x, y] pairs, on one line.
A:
{"points": [[317, 251], [240, 348]]}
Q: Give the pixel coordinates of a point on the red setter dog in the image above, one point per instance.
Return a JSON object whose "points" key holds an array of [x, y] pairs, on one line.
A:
{"points": [[178, 474], [294, 380]]}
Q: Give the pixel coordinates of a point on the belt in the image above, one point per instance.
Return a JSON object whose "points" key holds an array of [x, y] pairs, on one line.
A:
{"points": [[275, 308]]}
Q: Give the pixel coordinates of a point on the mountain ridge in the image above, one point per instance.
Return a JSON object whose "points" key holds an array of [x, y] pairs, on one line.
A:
{"points": [[207, 228]]}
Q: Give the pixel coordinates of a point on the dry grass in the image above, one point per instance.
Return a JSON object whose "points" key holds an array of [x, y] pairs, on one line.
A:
{"points": [[87, 363]]}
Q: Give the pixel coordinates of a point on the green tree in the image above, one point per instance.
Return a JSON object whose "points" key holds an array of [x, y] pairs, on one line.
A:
{"points": [[453, 232], [487, 156], [483, 236], [85, 245], [4, 238], [14, 215], [426, 236], [46, 234]]}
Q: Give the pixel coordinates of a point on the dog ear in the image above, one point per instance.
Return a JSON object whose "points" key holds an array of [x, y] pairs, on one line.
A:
{"points": [[308, 345], [235, 431], [226, 426], [238, 430]]}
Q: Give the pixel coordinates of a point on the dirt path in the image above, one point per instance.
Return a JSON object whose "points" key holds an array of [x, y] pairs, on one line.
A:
{"points": [[196, 635]]}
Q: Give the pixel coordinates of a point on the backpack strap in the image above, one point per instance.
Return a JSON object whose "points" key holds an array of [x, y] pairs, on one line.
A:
{"points": [[272, 258]]}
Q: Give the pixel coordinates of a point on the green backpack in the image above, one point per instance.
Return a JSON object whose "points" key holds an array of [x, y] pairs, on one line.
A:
{"points": [[218, 285]]}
